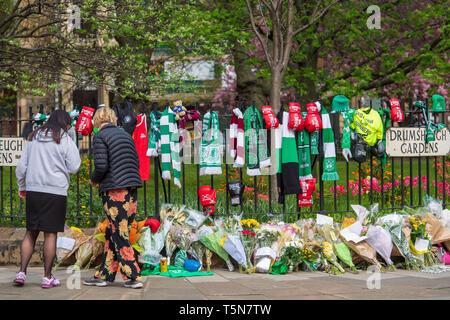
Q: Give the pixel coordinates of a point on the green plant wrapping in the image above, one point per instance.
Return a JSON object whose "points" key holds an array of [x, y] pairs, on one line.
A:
{"points": [[279, 268], [344, 254], [212, 242]]}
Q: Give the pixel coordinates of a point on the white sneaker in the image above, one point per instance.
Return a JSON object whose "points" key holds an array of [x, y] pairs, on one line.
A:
{"points": [[133, 284]]}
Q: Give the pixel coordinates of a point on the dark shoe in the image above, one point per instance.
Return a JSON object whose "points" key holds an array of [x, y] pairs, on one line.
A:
{"points": [[133, 284], [95, 282]]}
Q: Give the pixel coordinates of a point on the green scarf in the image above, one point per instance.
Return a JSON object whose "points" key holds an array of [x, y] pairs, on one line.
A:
{"points": [[346, 133], [170, 147], [256, 151], [154, 136], [304, 153], [210, 150], [314, 140], [329, 149]]}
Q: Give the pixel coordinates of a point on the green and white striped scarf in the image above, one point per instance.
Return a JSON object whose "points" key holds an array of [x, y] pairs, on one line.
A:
{"points": [[304, 153], [210, 150], [256, 151], [329, 148], [154, 136], [170, 147]]}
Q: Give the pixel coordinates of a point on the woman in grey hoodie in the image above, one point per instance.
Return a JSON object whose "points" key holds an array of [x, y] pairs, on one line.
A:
{"points": [[42, 173]]}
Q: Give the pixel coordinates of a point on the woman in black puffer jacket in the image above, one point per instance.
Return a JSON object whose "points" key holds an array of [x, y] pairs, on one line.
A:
{"points": [[116, 172]]}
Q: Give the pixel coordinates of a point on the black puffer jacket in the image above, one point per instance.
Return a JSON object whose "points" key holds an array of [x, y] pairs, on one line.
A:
{"points": [[116, 162]]}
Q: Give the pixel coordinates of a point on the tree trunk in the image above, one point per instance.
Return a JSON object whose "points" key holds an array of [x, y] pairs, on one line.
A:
{"points": [[248, 86], [275, 102], [275, 90]]}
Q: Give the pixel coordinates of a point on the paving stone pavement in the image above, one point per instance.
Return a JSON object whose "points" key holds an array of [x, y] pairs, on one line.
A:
{"points": [[225, 285]]}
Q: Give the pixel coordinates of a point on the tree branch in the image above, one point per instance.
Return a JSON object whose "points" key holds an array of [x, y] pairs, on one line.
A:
{"points": [[258, 35], [314, 19]]}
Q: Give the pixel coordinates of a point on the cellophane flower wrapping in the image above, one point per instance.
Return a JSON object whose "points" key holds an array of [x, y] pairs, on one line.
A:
{"points": [[230, 224], [170, 246], [264, 258], [267, 235], [344, 254], [327, 237], [308, 234], [152, 244], [249, 241], [98, 248], [83, 254], [197, 249], [287, 233], [381, 240], [233, 245], [183, 236], [393, 223]]}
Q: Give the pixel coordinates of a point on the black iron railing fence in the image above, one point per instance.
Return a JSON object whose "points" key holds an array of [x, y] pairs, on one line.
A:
{"points": [[402, 183]]}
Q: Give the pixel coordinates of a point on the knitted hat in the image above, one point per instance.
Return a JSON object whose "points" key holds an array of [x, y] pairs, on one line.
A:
{"points": [[340, 104], [438, 103]]}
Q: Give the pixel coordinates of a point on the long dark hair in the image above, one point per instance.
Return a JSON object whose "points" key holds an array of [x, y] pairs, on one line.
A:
{"points": [[57, 123]]}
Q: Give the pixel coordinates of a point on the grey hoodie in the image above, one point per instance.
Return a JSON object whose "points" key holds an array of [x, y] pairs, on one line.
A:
{"points": [[45, 165]]}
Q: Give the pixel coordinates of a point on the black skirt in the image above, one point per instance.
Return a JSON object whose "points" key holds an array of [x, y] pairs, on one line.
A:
{"points": [[46, 211]]}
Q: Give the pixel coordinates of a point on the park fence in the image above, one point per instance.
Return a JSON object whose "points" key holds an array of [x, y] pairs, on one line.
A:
{"points": [[402, 183]]}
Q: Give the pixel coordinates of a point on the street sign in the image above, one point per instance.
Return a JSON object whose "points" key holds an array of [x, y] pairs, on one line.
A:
{"points": [[410, 142], [10, 151]]}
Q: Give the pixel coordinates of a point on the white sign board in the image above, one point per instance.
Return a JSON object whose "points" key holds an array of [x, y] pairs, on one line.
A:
{"points": [[410, 142], [10, 151]]}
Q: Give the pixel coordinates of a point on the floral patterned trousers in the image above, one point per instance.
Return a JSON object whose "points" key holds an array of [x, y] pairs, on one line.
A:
{"points": [[120, 208]]}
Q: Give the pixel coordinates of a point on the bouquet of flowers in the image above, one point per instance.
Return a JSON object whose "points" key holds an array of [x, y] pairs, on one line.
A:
{"points": [[233, 245], [393, 223], [326, 237], [344, 254], [231, 224], [379, 239], [267, 236], [182, 236], [212, 242], [287, 234], [309, 231], [249, 241], [310, 259], [249, 224], [83, 254], [170, 246], [292, 257], [420, 242], [304, 229], [168, 212], [330, 256]]}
